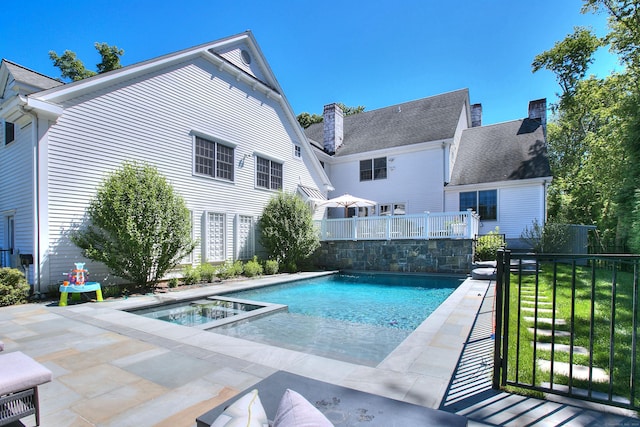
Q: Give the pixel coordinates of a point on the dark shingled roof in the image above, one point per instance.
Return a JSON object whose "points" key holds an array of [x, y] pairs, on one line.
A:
{"points": [[31, 78], [502, 152], [423, 120]]}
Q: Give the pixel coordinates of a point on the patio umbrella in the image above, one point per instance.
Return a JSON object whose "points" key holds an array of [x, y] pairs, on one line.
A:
{"points": [[348, 201]]}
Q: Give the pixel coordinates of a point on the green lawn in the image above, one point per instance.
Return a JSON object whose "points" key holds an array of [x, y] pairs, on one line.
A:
{"points": [[578, 300]]}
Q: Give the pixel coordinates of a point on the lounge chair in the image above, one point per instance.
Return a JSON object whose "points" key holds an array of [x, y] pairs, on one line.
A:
{"points": [[20, 377], [340, 405]]}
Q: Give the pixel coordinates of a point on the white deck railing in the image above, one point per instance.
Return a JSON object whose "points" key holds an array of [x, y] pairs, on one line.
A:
{"points": [[446, 225]]}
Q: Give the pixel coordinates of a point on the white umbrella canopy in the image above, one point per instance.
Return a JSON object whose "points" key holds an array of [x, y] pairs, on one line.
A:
{"points": [[348, 201]]}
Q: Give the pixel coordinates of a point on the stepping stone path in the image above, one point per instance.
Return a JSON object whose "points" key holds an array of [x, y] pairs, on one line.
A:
{"points": [[544, 310]]}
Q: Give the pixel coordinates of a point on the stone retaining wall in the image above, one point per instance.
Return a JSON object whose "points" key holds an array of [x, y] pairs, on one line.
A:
{"points": [[423, 256]]}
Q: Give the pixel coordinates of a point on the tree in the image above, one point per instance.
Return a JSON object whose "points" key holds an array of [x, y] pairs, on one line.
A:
{"points": [[287, 231], [137, 226], [594, 138], [569, 58], [73, 68], [305, 119]]}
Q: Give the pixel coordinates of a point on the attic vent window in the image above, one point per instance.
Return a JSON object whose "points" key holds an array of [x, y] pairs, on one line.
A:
{"points": [[246, 57]]}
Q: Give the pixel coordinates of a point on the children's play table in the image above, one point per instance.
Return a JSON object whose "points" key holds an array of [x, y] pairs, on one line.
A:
{"points": [[76, 290]]}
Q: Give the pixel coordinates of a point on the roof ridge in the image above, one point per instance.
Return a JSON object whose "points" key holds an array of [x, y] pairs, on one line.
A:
{"points": [[31, 71], [411, 101]]}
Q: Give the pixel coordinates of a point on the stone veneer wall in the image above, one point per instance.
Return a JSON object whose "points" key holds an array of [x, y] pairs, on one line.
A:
{"points": [[423, 256]]}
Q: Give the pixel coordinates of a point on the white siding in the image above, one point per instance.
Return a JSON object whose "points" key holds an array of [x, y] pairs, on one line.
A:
{"points": [[233, 55], [518, 206], [151, 119], [413, 177], [16, 188], [455, 144]]}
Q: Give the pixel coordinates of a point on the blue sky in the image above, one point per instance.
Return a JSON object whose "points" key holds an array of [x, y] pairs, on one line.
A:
{"points": [[372, 53]]}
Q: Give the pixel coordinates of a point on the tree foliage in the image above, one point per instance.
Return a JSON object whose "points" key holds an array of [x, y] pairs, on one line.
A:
{"points": [[137, 226], [305, 119], [594, 137], [74, 69], [569, 58], [287, 231]]}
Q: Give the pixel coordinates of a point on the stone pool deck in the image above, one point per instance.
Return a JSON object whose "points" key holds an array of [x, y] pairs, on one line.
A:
{"points": [[113, 368]]}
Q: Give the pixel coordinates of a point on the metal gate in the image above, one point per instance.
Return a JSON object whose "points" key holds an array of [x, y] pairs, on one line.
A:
{"points": [[568, 325]]}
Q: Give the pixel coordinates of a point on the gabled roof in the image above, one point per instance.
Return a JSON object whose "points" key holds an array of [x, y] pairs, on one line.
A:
{"points": [[502, 152], [428, 119], [258, 75], [29, 78], [239, 55]]}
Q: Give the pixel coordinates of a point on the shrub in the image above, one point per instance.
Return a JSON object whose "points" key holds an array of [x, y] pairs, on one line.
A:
{"points": [[14, 288], [137, 226], [191, 275], [252, 268], [237, 268], [173, 282], [271, 266], [225, 271], [488, 245], [207, 272], [548, 238], [287, 231], [113, 291], [230, 269]]}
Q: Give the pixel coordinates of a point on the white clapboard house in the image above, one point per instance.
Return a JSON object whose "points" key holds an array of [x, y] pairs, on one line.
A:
{"points": [[212, 118]]}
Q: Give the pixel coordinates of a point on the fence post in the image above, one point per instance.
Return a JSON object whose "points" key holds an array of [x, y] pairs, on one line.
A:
{"points": [[426, 225], [501, 318]]}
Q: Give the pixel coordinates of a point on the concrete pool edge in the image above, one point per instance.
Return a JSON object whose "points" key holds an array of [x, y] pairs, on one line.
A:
{"points": [[419, 371]]}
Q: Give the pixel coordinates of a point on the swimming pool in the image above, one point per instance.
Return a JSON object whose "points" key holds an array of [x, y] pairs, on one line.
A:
{"points": [[358, 318]]}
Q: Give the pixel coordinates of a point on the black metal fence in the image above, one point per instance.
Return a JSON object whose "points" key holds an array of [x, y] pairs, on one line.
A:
{"points": [[568, 325]]}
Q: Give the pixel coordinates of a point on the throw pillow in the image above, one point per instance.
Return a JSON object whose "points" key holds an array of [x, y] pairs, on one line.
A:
{"points": [[295, 411], [244, 412]]}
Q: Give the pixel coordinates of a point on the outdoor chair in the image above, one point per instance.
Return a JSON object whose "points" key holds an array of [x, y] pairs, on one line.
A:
{"points": [[20, 377], [285, 400]]}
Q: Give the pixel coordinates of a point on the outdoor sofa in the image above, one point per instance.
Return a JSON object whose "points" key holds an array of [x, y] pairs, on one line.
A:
{"points": [[284, 400], [20, 377]]}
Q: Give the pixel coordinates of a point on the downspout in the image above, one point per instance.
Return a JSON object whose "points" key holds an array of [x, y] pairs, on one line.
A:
{"points": [[444, 173], [36, 201]]}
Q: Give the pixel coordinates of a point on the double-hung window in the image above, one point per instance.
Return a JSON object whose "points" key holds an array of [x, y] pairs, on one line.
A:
{"points": [[268, 174], [213, 159], [484, 202], [372, 169]]}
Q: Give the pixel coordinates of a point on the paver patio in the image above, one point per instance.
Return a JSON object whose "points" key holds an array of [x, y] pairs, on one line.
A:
{"points": [[113, 368]]}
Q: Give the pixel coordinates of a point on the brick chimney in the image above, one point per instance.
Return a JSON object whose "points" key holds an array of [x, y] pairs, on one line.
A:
{"points": [[332, 122], [476, 115], [538, 111]]}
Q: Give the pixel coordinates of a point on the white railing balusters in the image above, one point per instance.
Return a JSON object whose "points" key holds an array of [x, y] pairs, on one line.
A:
{"points": [[445, 225]]}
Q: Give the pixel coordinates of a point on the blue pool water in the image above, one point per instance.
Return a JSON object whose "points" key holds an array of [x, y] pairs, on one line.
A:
{"points": [[356, 318]]}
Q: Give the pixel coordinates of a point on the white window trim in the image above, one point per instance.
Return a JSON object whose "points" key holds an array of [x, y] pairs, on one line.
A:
{"points": [[252, 235], [257, 154], [297, 148], [206, 257], [194, 134]]}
